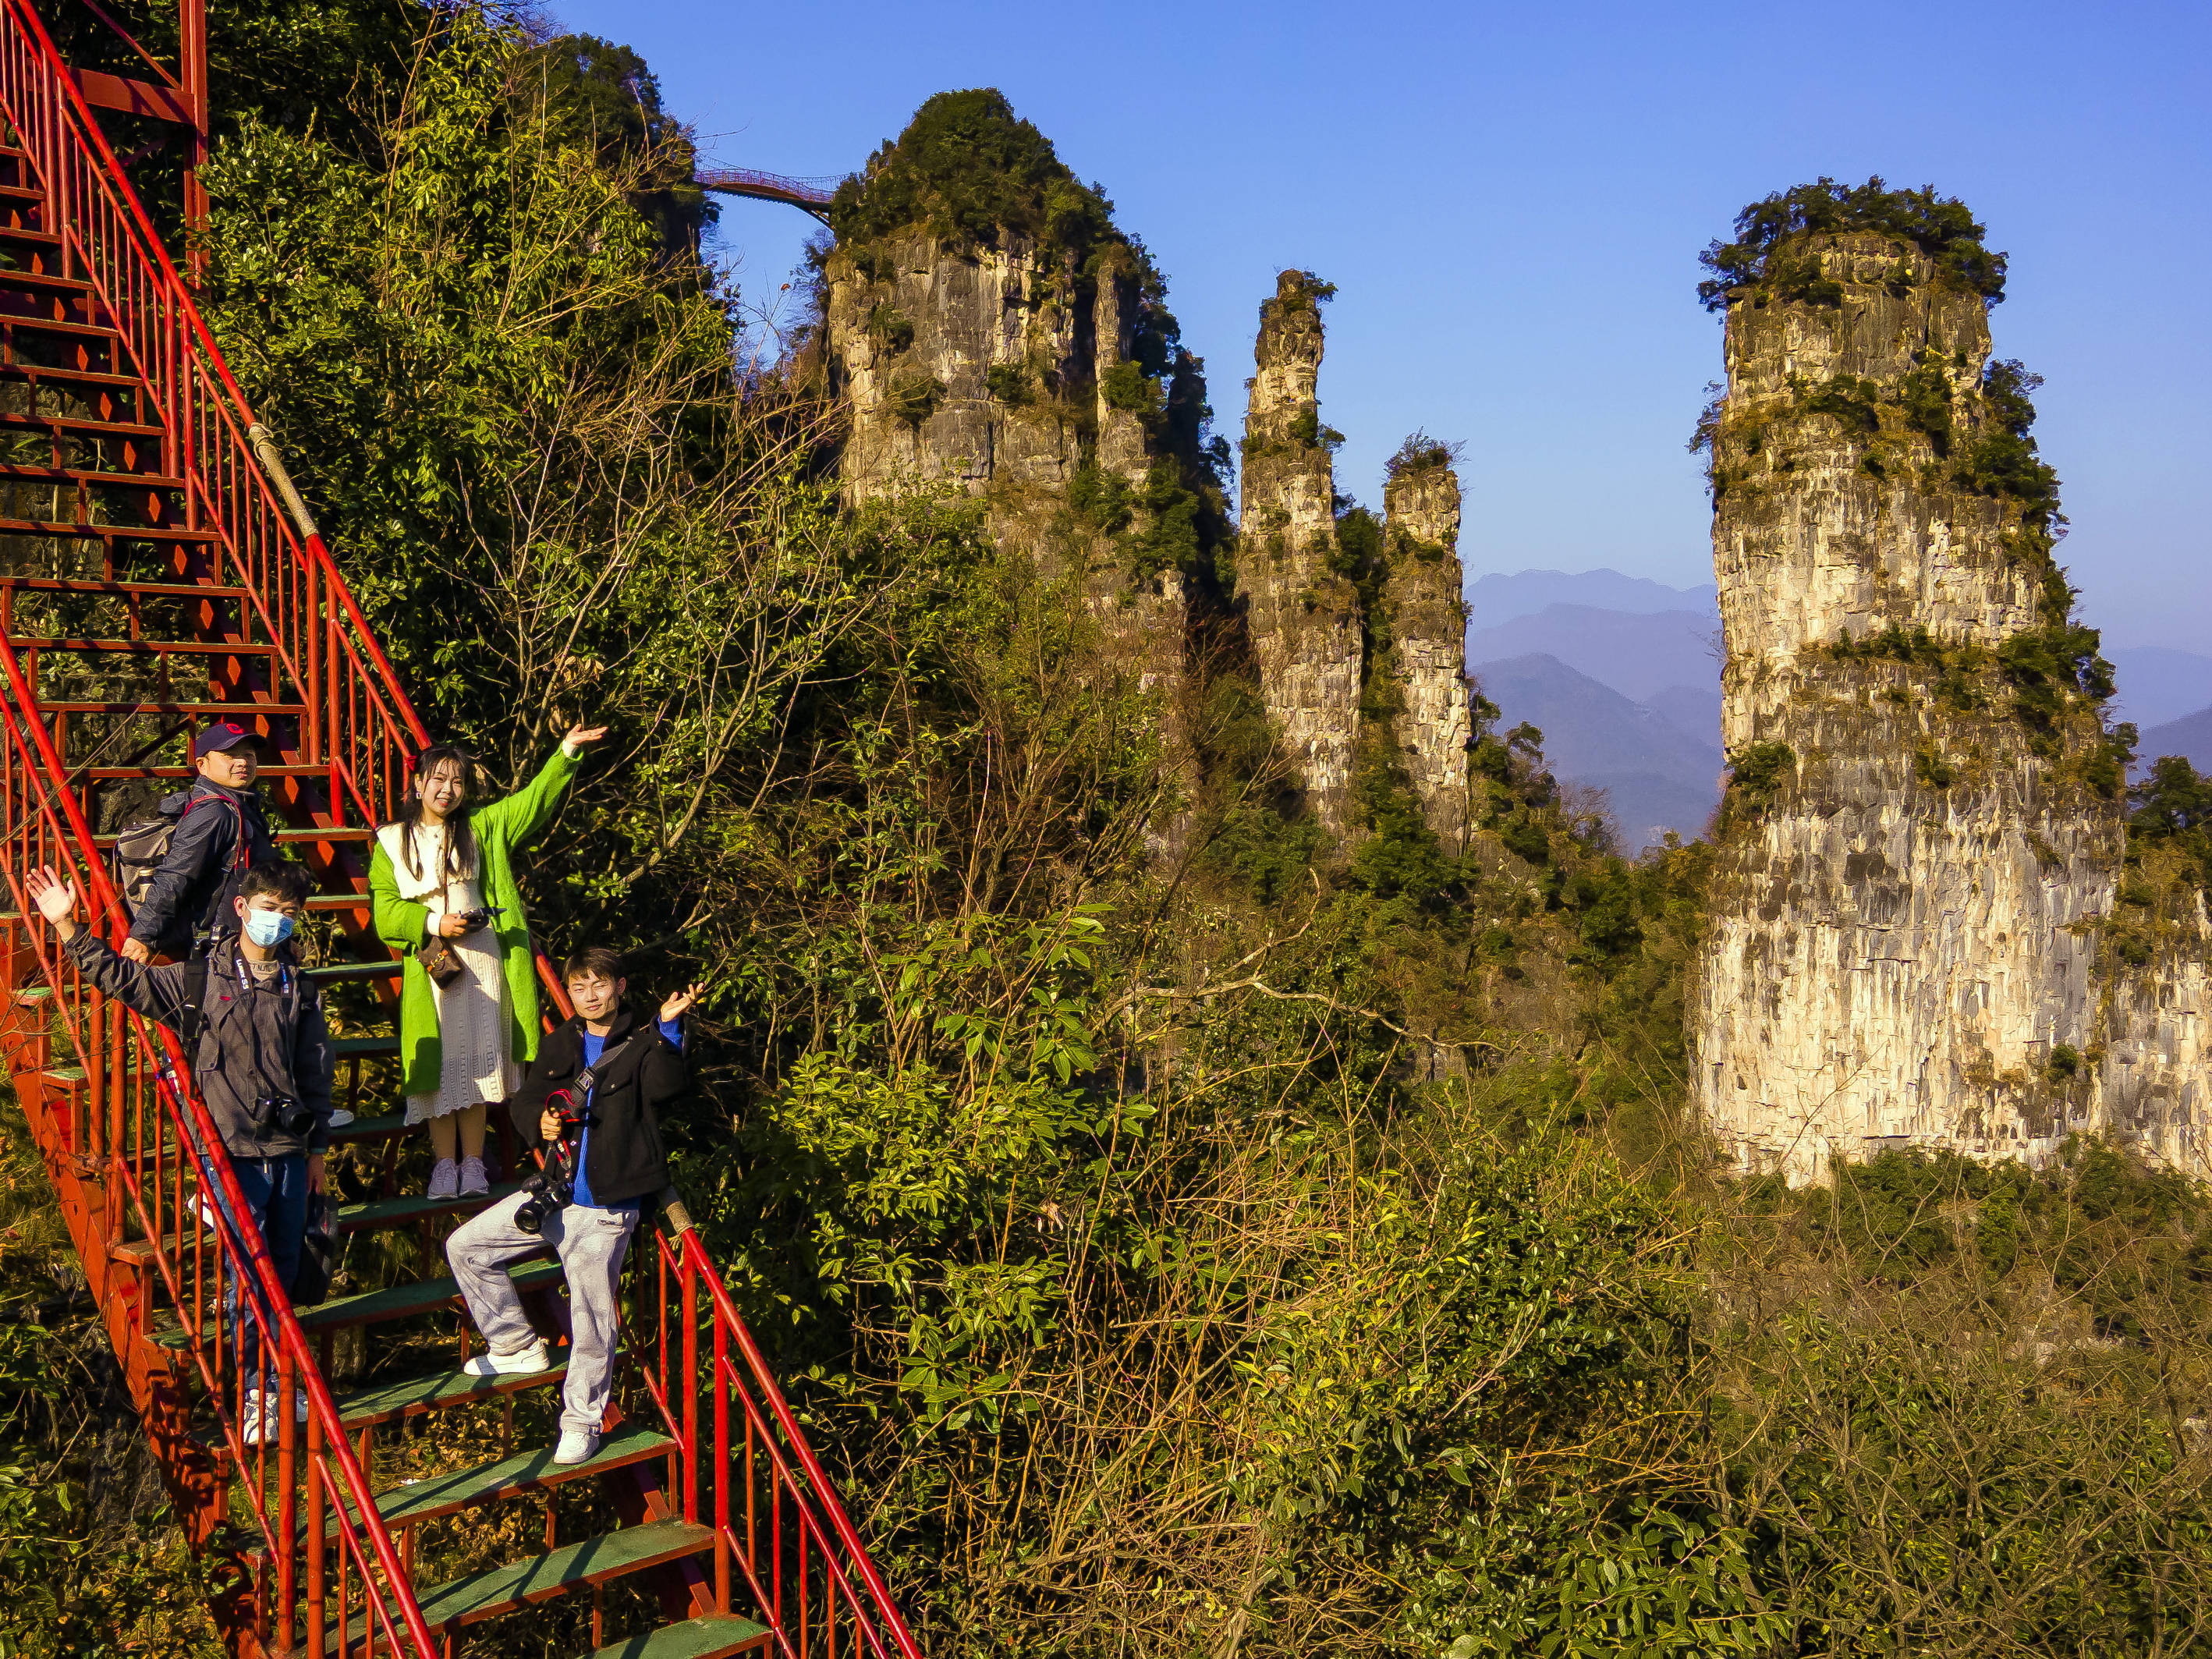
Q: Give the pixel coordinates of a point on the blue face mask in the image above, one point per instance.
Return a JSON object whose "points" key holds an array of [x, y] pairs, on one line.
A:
{"points": [[268, 927]]}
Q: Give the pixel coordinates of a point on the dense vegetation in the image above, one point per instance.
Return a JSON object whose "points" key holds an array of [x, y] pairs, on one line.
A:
{"points": [[1176, 1241], [1767, 257]]}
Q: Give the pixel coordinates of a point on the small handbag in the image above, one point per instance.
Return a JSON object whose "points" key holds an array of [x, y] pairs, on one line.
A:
{"points": [[440, 960]]}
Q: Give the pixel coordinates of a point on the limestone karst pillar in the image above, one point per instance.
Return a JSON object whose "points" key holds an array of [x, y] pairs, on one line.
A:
{"points": [[1904, 903], [1303, 617], [1426, 621]]}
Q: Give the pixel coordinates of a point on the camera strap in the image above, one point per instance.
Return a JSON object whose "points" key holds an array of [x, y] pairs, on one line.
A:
{"points": [[580, 1091]]}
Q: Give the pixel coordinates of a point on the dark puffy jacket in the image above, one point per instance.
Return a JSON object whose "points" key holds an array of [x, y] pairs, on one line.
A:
{"points": [[625, 1160], [191, 891], [257, 1040]]}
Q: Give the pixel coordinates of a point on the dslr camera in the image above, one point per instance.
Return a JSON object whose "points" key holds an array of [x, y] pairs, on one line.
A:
{"points": [[553, 1186], [284, 1113]]}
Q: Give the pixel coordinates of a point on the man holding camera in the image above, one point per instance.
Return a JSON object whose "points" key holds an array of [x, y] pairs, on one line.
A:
{"points": [[262, 1057], [592, 1100]]}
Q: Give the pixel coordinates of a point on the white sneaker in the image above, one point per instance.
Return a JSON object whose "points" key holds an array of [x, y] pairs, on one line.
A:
{"points": [[340, 1117], [522, 1364], [256, 1421], [445, 1179], [475, 1183], [577, 1446], [257, 1417]]}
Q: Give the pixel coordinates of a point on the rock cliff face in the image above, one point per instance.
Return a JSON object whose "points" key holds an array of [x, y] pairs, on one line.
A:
{"points": [[1425, 625], [1304, 617], [994, 330], [1911, 936]]}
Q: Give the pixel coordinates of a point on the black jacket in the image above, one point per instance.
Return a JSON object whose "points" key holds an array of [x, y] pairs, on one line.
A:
{"points": [[191, 891], [255, 1040], [625, 1160]]}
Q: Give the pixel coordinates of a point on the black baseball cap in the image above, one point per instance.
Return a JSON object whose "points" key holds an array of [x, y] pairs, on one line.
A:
{"points": [[223, 734]]}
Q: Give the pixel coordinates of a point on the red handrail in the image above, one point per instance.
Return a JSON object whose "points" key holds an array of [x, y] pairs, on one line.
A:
{"points": [[358, 725], [195, 1133]]}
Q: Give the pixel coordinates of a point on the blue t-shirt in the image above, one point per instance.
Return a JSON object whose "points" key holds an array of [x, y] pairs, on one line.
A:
{"points": [[593, 1047]]}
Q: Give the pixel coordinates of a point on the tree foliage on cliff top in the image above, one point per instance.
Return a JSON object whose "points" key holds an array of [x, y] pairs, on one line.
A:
{"points": [[970, 169], [1939, 226]]}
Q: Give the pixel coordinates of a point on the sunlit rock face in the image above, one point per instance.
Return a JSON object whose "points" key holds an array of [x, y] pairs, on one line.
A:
{"points": [[1912, 936], [1303, 619], [1425, 626]]}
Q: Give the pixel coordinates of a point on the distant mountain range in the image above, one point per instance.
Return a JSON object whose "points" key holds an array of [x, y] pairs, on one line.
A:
{"points": [[1623, 678], [1622, 675]]}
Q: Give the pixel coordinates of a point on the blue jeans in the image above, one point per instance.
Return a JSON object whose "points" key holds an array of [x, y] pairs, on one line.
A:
{"points": [[276, 1194]]}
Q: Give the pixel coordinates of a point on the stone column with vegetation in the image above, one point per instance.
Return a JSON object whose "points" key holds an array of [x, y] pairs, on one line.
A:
{"points": [[988, 325], [1423, 622], [1911, 936], [1302, 612]]}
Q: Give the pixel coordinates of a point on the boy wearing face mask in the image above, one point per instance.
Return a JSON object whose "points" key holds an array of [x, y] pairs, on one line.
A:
{"points": [[262, 1058]]}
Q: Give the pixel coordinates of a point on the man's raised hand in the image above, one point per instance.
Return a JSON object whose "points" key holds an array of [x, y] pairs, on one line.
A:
{"points": [[679, 1003], [55, 897], [579, 735]]}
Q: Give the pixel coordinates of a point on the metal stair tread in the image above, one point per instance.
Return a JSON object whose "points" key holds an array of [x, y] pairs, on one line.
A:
{"points": [[56, 325], [479, 1595], [712, 1638], [89, 423], [411, 1396], [23, 472], [153, 708], [41, 279], [335, 970], [144, 647], [437, 1495], [145, 533], [121, 589], [369, 1129], [419, 1296], [367, 1045], [356, 1217]]}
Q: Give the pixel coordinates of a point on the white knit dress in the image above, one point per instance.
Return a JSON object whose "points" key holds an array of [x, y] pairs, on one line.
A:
{"points": [[472, 1012]]}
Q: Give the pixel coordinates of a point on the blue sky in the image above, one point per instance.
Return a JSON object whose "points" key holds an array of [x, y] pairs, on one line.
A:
{"points": [[1511, 199]]}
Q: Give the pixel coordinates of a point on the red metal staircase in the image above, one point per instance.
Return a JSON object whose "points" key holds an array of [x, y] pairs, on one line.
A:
{"points": [[149, 579]]}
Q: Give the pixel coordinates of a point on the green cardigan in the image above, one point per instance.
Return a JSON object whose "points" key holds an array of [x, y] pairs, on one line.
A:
{"points": [[500, 829]]}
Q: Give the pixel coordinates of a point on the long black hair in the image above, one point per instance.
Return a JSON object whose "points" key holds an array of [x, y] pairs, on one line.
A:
{"points": [[460, 840]]}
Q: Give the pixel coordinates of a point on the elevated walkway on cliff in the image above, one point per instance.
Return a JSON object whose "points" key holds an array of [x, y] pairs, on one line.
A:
{"points": [[157, 571]]}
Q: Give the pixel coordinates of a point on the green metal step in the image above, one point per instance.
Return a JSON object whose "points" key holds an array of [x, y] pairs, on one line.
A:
{"points": [[389, 1401], [368, 1045], [338, 970], [694, 1638], [479, 1595], [377, 1306], [369, 1129], [531, 1471], [371, 1217]]}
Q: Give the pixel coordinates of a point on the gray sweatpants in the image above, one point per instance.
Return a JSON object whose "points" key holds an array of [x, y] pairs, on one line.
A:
{"points": [[590, 1243]]}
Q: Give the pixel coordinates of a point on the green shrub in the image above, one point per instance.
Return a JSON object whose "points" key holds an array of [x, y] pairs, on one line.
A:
{"points": [[914, 396], [1126, 385], [1008, 383]]}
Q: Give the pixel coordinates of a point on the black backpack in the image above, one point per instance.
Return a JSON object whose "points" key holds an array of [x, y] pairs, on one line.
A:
{"points": [[140, 849]]}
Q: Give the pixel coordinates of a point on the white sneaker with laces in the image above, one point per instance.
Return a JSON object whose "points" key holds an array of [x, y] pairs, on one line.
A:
{"points": [[475, 1183], [445, 1179], [340, 1117], [520, 1364], [577, 1446]]}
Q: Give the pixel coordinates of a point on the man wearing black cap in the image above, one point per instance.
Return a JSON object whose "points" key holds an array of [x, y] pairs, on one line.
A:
{"points": [[220, 834]]}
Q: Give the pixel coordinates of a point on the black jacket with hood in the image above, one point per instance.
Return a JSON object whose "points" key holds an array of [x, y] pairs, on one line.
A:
{"points": [[190, 892], [261, 1038], [625, 1161]]}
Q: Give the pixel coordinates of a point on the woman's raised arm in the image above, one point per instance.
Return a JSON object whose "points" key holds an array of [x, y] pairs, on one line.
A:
{"points": [[525, 812]]}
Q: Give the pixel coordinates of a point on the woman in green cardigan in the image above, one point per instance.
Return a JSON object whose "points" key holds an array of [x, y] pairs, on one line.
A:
{"points": [[464, 1043]]}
